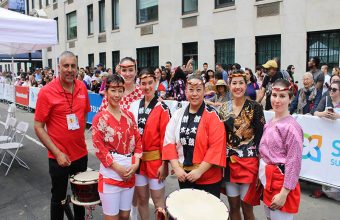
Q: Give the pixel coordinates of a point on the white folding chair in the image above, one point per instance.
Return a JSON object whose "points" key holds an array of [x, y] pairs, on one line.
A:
{"points": [[13, 147], [6, 135], [12, 108]]}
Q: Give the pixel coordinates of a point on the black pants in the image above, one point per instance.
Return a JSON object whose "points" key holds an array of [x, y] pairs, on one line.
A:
{"points": [[60, 178], [214, 188]]}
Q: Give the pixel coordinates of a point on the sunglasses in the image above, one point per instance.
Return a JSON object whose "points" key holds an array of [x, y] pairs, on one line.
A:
{"points": [[333, 89]]}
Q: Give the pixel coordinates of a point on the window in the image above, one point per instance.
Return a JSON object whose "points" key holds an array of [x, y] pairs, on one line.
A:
{"points": [[147, 57], [71, 25], [115, 59], [147, 10], [90, 58], [33, 5], [267, 48], [190, 51], [56, 19], [224, 3], [102, 59], [324, 45], [189, 6], [101, 16], [115, 14], [40, 4], [49, 63], [225, 52], [90, 19], [47, 2]]}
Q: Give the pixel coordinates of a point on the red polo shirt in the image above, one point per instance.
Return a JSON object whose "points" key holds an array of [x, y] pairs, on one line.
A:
{"points": [[53, 105]]}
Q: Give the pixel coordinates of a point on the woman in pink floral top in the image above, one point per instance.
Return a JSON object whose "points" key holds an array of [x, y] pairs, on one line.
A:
{"points": [[118, 147], [281, 155], [132, 91]]}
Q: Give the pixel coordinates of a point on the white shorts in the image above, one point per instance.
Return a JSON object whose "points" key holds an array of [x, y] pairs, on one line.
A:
{"points": [[142, 180], [113, 202], [277, 214], [234, 189]]}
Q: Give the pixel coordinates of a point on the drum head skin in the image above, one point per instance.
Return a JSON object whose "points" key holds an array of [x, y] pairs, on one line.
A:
{"points": [[193, 204], [85, 178]]}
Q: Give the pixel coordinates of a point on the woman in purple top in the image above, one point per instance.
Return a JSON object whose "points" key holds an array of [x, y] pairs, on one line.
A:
{"points": [[281, 155], [252, 86]]}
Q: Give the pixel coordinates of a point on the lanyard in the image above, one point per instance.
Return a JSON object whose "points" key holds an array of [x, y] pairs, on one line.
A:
{"points": [[68, 101]]}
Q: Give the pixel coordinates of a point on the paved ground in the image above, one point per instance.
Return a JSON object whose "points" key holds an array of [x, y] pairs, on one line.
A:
{"points": [[25, 194]]}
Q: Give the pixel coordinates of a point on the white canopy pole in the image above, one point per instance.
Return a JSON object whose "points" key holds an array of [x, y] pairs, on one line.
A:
{"points": [[14, 73]]}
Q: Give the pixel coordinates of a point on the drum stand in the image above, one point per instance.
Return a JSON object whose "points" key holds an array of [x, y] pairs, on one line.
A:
{"points": [[89, 206]]}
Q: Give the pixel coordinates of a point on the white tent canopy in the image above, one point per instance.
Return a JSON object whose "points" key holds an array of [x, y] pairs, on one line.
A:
{"points": [[20, 33]]}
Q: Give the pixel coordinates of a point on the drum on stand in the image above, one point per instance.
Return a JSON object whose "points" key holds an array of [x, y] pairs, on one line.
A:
{"points": [[193, 204], [84, 187]]}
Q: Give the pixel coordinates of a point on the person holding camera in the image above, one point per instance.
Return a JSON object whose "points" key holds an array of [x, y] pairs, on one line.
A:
{"points": [[329, 106], [244, 121]]}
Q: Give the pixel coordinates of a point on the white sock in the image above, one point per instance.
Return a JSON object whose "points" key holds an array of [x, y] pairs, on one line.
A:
{"points": [[133, 213]]}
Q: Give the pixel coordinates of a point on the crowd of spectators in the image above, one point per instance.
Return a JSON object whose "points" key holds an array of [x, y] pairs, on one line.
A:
{"points": [[171, 83]]}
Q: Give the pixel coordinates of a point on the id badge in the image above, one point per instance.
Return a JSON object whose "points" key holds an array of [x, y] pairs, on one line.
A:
{"points": [[72, 122]]}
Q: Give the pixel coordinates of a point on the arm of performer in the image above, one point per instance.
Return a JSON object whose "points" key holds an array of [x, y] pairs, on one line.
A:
{"points": [[280, 199], [62, 159], [179, 171], [163, 170], [258, 124], [169, 152], [197, 173], [138, 151]]}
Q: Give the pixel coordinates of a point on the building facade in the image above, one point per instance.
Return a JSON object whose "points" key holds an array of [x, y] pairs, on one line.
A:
{"points": [[214, 31]]}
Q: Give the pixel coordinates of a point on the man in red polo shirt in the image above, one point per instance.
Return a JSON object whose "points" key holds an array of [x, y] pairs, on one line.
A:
{"points": [[62, 106]]}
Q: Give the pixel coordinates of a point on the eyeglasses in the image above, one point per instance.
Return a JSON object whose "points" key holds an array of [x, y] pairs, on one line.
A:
{"points": [[333, 89]]}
